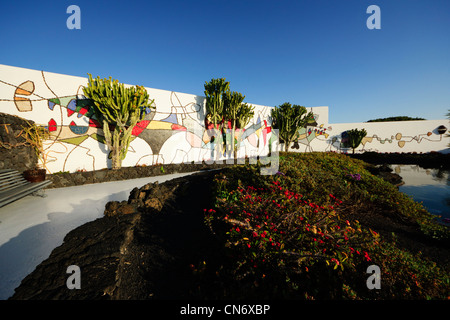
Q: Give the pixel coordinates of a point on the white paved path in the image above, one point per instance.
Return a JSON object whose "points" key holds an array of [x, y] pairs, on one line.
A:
{"points": [[32, 227]]}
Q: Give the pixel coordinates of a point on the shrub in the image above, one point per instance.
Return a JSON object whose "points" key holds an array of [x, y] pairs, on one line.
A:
{"points": [[291, 233]]}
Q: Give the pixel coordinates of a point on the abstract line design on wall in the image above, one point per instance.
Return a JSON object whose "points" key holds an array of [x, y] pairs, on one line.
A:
{"points": [[310, 132], [68, 134], [399, 138], [175, 131], [24, 89]]}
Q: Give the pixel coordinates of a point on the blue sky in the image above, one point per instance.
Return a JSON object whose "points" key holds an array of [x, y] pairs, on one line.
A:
{"points": [[307, 52]]}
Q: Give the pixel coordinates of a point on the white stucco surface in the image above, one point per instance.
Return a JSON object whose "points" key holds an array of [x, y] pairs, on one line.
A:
{"points": [[32, 227]]}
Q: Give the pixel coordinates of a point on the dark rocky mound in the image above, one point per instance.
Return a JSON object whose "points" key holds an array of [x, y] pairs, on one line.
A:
{"points": [[143, 248], [385, 172], [68, 179]]}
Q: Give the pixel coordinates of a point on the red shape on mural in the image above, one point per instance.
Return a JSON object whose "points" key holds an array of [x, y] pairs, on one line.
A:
{"points": [[52, 125], [83, 110], [139, 127], [178, 127], [94, 123]]}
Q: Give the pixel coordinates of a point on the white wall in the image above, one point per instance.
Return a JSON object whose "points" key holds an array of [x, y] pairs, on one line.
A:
{"points": [[175, 132], [397, 136]]}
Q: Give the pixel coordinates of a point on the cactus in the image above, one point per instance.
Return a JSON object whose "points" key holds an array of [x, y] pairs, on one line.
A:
{"points": [[239, 114], [355, 137], [244, 115], [223, 105], [288, 119], [215, 109], [215, 105], [118, 109]]}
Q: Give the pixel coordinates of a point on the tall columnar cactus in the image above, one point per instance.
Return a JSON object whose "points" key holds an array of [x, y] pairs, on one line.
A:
{"points": [[288, 119], [355, 137], [215, 105], [239, 114], [215, 110], [118, 109], [224, 106]]}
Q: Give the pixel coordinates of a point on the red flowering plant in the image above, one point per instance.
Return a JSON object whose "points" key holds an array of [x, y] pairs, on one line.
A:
{"points": [[270, 227]]}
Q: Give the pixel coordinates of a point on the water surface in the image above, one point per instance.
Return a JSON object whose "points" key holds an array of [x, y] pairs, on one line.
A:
{"points": [[429, 186]]}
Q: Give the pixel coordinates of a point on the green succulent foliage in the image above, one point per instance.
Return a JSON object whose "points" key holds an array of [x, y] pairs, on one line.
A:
{"points": [[244, 115], [215, 104], [355, 137], [236, 111], [223, 105], [239, 114], [288, 119], [118, 109], [232, 102]]}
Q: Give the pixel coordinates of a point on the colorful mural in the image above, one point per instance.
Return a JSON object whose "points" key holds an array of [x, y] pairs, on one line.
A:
{"points": [[175, 131], [398, 142]]}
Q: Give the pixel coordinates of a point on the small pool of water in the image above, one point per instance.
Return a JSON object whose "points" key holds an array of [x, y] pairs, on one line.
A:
{"points": [[429, 186]]}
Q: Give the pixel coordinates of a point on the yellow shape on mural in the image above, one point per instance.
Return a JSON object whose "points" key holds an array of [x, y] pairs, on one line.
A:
{"points": [[366, 139], [302, 136], [24, 89], [156, 124]]}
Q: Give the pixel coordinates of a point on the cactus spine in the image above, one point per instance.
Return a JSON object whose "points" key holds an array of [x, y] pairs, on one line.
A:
{"points": [[118, 109]]}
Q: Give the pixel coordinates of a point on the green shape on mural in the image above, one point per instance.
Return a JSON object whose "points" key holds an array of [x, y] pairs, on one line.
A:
{"points": [[54, 100], [76, 141]]}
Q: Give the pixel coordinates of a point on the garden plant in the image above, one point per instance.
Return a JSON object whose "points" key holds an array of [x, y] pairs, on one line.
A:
{"points": [[288, 119], [226, 115], [118, 109], [309, 232], [355, 137]]}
